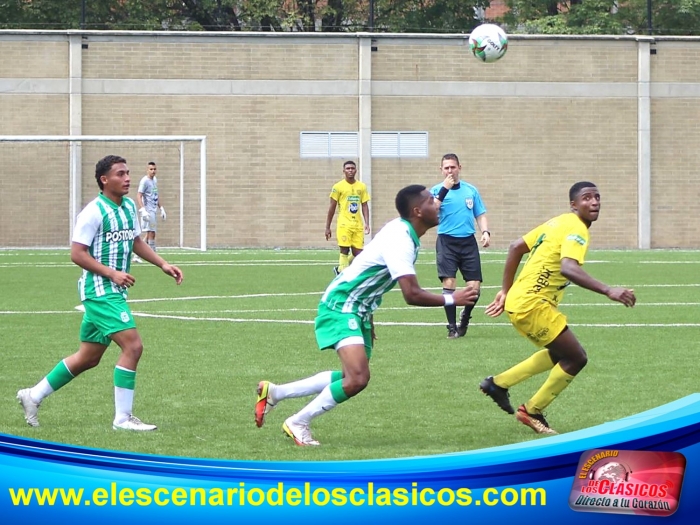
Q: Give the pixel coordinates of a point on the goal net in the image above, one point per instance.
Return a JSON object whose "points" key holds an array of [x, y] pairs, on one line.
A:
{"points": [[47, 180]]}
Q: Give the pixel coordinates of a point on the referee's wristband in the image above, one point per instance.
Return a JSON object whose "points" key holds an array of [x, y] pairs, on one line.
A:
{"points": [[486, 231], [442, 194], [449, 300]]}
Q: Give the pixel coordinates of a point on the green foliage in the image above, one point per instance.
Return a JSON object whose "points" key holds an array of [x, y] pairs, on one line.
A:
{"points": [[603, 17], [613, 17], [429, 16]]}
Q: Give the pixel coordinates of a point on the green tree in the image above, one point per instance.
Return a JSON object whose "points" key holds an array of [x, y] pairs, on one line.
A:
{"points": [[612, 17], [669, 17], [429, 16]]}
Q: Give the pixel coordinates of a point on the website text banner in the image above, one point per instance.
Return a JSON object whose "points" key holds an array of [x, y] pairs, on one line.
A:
{"points": [[526, 483]]}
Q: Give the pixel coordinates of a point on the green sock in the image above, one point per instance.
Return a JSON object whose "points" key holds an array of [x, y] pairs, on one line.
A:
{"points": [[60, 376], [124, 378], [337, 391], [336, 375]]}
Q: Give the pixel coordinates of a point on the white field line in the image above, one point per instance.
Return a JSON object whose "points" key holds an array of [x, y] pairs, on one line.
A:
{"points": [[303, 262], [81, 308]]}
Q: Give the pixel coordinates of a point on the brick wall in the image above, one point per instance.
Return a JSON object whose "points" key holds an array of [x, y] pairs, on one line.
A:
{"points": [[552, 112]]}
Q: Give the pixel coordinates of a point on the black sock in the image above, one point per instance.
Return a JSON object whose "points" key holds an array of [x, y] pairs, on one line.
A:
{"points": [[450, 311]]}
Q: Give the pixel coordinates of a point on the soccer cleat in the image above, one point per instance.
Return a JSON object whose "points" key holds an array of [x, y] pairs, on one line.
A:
{"points": [[336, 272], [263, 405], [463, 324], [31, 409], [135, 424], [136, 259], [452, 331], [499, 394], [301, 434], [536, 422]]}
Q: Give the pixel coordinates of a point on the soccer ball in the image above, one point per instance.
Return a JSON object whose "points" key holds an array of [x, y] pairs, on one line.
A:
{"points": [[488, 42]]}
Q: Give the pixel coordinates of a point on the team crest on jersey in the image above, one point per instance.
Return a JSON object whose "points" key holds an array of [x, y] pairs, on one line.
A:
{"points": [[469, 203], [125, 317], [353, 207], [352, 324]]}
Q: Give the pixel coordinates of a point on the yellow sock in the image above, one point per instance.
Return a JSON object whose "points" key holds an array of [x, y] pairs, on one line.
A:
{"points": [[343, 262], [557, 381], [535, 364]]}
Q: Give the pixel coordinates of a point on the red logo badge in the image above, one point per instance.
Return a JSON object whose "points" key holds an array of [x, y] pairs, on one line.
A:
{"points": [[628, 482]]}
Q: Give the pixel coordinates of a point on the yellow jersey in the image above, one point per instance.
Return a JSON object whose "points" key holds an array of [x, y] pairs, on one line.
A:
{"points": [[541, 278], [350, 198]]}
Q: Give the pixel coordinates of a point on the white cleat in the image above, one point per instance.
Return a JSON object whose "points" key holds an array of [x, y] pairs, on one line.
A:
{"points": [[31, 409], [133, 423], [301, 434], [136, 259]]}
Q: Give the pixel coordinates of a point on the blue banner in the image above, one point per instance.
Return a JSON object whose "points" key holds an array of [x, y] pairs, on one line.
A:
{"points": [[529, 482]]}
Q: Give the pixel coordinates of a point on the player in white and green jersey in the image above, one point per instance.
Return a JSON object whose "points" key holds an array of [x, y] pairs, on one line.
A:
{"points": [[106, 234], [344, 319]]}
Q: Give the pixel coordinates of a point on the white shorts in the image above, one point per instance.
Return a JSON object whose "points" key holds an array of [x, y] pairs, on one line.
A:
{"points": [[149, 224]]}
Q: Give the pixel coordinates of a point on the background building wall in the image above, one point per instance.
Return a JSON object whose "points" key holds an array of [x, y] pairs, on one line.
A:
{"points": [[553, 111]]}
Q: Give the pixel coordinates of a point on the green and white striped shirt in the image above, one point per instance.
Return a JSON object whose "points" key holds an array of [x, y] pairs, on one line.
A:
{"points": [[391, 254], [109, 232]]}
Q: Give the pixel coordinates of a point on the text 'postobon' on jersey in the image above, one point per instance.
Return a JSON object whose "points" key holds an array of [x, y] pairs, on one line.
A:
{"points": [[391, 254], [109, 232], [541, 278]]}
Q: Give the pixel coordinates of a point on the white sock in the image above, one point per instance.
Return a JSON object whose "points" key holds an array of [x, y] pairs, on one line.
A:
{"points": [[321, 404], [303, 387], [41, 390], [123, 404]]}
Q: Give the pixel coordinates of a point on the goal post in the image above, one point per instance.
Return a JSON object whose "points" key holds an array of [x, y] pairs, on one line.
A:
{"points": [[32, 194]]}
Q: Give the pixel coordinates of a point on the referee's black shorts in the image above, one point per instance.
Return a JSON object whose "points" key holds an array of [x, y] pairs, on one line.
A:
{"points": [[458, 253]]}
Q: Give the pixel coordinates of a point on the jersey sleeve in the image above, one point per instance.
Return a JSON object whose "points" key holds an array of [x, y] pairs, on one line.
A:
{"points": [[479, 208], [365, 195], [575, 243], [86, 226], [335, 193], [435, 190], [532, 237], [142, 185], [400, 255]]}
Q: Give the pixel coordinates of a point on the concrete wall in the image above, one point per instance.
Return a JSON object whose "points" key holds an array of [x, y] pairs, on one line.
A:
{"points": [[553, 111]]}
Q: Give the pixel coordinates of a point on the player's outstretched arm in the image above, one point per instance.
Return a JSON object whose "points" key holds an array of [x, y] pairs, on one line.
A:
{"points": [[516, 250], [80, 255], [571, 269], [414, 295], [497, 306], [329, 218], [144, 251]]}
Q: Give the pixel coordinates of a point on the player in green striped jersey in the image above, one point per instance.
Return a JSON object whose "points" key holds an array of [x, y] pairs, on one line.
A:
{"points": [[106, 235], [344, 320]]}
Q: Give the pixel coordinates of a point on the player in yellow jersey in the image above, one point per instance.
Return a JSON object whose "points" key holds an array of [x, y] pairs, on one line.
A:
{"points": [[349, 196], [557, 250]]}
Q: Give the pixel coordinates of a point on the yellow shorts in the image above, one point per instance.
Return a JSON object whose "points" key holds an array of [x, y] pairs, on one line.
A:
{"points": [[351, 237], [541, 325]]}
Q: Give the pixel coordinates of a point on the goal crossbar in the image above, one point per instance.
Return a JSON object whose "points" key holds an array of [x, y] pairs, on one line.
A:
{"points": [[75, 177]]}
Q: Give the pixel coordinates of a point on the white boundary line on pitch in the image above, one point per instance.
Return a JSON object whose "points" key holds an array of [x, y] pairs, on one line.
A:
{"points": [[393, 323], [303, 262], [81, 308]]}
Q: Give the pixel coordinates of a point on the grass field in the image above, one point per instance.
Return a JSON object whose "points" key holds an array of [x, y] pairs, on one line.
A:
{"points": [[242, 316]]}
